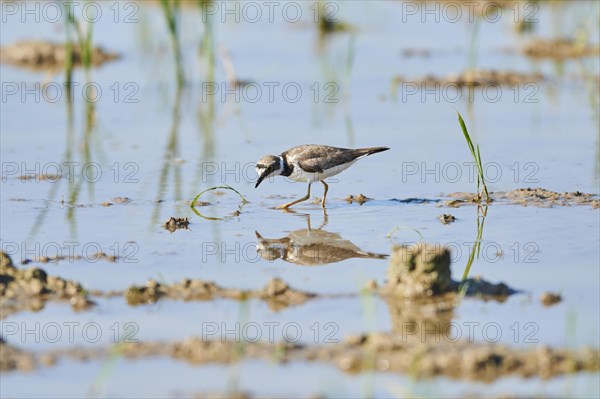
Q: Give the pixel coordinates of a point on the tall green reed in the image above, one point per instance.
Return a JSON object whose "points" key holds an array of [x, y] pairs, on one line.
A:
{"points": [[170, 10], [482, 190]]}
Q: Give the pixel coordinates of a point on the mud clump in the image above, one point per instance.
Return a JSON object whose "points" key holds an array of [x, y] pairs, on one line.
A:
{"points": [[446, 218], [121, 200], [421, 295], [550, 298], [457, 203], [12, 358], [41, 177], [279, 295], [477, 287], [559, 48], [360, 199], [22, 289], [276, 293], [186, 290], [419, 271], [538, 197], [174, 224], [39, 54], [5, 260], [116, 201], [422, 271]]}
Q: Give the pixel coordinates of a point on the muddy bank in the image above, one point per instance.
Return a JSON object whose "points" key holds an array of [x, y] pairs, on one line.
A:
{"points": [[277, 293], [12, 358], [474, 78], [419, 290], [376, 351], [70, 258], [30, 289], [461, 360], [40, 55], [416, 272], [538, 197], [560, 48]]}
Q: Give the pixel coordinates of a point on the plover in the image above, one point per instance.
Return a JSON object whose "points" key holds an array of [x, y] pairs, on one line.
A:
{"points": [[308, 247], [310, 163]]}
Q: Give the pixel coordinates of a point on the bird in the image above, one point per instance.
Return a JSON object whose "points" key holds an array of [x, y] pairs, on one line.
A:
{"points": [[310, 163], [306, 247]]}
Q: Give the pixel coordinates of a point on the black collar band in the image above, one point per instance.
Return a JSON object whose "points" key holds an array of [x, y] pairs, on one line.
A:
{"points": [[287, 168]]}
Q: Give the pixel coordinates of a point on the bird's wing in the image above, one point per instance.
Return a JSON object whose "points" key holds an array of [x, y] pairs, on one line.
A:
{"points": [[330, 158], [312, 165]]}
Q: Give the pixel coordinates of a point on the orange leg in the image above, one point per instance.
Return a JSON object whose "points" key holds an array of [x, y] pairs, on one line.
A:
{"points": [[324, 194], [286, 206]]}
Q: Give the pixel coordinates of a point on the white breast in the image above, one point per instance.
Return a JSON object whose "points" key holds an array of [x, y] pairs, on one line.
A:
{"points": [[301, 175]]}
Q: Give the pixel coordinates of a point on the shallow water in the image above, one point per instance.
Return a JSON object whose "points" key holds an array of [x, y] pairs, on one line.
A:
{"points": [[170, 145]]}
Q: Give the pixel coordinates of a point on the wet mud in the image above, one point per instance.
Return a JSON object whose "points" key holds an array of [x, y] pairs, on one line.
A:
{"points": [[461, 360], [538, 197], [174, 224], [419, 292], [382, 352], [477, 77], [30, 289], [446, 218], [12, 358], [550, 298], [40, 55], [277, 293], [360, 199], [416, 200], [41, 177], [57, 258], [560, 48], [422, 271]]}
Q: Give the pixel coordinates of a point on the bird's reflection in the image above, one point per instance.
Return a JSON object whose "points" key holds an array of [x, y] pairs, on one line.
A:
{"points": [[311, 247]]}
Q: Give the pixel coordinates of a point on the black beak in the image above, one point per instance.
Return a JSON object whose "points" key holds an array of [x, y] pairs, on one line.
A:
{"points": [[261, 178]]}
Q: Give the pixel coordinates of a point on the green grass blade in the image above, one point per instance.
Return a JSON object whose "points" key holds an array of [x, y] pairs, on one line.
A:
{"points": [[466, 134], [476, 153], [390, 236], [244, 201]]}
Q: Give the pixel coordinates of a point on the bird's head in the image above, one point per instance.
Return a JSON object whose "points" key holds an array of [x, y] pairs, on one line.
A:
{"points": [[271, 249], [267, 166]]}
